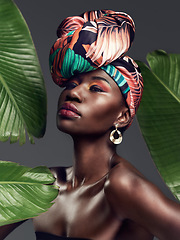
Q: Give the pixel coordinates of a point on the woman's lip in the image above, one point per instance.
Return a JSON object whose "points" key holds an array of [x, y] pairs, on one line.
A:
{"points": [[69, 110]]}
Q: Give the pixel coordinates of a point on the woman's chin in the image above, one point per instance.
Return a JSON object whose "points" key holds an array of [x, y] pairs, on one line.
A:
{"points": [[66, 127]]}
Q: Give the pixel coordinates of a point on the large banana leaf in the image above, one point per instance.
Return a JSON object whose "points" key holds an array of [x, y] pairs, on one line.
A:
{"points": [[159, 114], [22, 89], [23, 193]]}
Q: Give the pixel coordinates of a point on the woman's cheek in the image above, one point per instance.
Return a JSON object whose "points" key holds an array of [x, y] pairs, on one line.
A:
{"points": [[103, 114]]}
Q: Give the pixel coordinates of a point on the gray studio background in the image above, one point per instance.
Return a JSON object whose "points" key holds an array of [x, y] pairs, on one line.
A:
{"points": [[157, 26]]}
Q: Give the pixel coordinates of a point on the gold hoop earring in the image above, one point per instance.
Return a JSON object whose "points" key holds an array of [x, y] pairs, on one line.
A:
{"points": [[117, 140]]}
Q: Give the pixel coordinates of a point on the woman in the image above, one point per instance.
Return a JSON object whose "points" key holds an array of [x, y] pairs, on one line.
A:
{"points": [[102, 196]]}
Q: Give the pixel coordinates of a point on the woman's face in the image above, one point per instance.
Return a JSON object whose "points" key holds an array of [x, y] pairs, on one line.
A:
{"points": [[90, 104]]}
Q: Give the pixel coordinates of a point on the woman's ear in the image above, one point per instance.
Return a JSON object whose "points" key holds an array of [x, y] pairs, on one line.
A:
{"points": [[123, 118]]}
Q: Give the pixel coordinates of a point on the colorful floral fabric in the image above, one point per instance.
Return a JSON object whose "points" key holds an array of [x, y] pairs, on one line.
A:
{"points": [[98, 39]]}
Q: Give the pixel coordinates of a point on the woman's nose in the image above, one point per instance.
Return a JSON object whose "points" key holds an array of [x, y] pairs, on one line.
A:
{"points": [[75, 94]]}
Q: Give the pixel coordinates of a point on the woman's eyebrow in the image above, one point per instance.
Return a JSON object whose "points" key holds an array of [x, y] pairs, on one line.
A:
{"points": [[100, 78]]}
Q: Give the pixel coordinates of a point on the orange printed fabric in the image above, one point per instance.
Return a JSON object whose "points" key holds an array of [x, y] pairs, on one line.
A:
{"points": [[98, 39]]}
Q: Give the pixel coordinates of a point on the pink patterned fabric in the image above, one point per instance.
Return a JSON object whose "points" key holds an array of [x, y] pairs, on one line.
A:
{"points": [[98, 39]]}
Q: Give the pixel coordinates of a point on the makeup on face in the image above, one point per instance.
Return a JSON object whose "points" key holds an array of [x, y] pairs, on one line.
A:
{"points": [[97, 104], [69, 110], [100, 82], [95, 83]]}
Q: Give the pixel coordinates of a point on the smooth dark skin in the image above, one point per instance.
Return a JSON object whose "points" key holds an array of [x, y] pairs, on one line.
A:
{"points": [[102, 196]]}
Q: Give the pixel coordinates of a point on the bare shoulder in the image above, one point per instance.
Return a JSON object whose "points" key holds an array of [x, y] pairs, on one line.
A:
{"points": [[125, 186], [123, 176], [132, 196]]}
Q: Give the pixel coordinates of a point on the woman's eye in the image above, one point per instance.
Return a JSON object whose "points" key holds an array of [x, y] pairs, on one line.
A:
{"points": [[96, 88], [70, 85]]}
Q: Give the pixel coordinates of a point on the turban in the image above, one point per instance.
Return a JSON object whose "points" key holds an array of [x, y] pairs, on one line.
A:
{"points": [[98, 39]]}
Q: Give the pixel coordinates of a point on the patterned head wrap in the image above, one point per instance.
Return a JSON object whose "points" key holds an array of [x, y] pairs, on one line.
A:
{"points": [[98, 39]]}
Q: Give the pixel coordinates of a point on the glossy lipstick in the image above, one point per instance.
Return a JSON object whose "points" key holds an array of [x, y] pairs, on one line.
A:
{"points": [[69, 110]]}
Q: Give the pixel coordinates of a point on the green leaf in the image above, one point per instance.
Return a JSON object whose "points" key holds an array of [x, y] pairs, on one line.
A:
{"points": [[23, 193], [159, 114], [22, 89]]}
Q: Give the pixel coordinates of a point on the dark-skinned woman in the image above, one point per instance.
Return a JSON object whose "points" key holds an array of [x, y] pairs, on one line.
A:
{"points": [[102, 196]]}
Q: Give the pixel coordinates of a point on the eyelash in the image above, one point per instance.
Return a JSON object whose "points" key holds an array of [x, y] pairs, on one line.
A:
{"points": [[96, 88], [93, 88], [70, 85]]}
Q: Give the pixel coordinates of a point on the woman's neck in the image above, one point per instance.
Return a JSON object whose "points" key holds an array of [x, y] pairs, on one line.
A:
{"points": [[92, 159]]}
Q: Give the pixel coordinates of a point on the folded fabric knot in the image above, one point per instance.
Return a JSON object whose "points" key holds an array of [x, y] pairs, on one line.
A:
{"points": [[98, 39]]}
